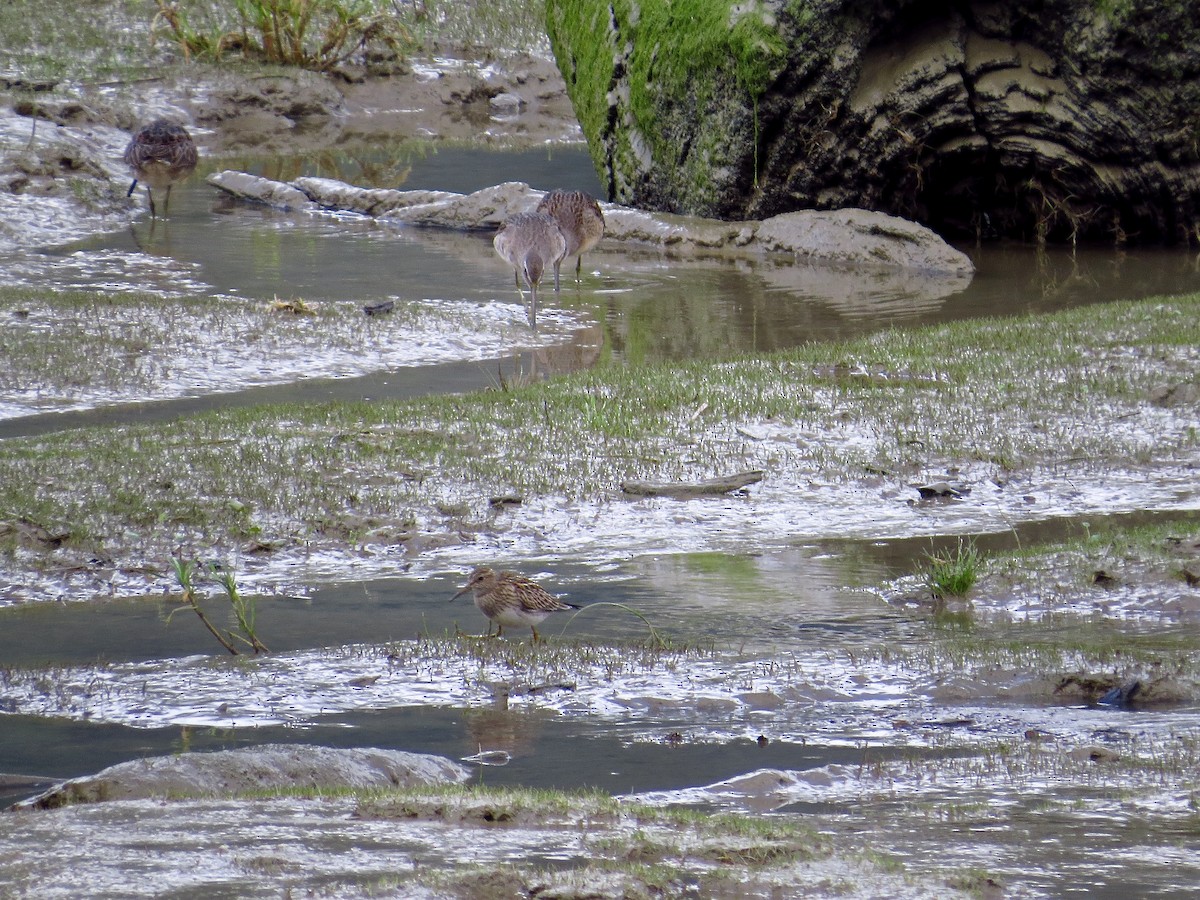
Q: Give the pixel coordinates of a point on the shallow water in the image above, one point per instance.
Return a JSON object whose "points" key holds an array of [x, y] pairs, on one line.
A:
{"points": [[88, 685], [635, 304]]}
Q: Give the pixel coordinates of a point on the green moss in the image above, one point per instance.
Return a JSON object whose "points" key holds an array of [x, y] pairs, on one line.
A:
{"points": [[802, 14], [674, 60], [1116, 11], [586, 65]]}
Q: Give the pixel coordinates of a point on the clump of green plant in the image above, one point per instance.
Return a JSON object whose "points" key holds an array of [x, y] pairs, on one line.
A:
{"points": [[310, 34], [244, 611], [953, 573]]}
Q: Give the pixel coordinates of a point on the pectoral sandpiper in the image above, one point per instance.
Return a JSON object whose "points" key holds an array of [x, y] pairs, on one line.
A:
{"points": [[507, 598], [160, 154], [580, 220], [529, 242]]}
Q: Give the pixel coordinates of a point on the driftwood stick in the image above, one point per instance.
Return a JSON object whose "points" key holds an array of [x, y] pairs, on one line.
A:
{"points": [[684, 490]]}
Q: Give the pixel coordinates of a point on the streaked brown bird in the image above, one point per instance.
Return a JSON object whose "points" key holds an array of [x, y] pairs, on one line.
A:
{"points": [[580, 220], [160, 154], [529, 242], [507, 598]]}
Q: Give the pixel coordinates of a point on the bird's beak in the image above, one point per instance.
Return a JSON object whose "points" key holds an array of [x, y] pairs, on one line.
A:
{"points": [[460, 593]]}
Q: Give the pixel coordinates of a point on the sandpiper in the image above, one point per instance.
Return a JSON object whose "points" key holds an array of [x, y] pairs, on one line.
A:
{"points": [[529, 242], [160, 154], [507, 598], [580, 220]]}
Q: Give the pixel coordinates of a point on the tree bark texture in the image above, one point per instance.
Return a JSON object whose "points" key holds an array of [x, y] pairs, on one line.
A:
{"points": [[1059, 120]]}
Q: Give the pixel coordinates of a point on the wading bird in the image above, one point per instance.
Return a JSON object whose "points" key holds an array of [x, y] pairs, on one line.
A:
{"points": [[160, 154], [580, 220], [529, 242], [507, 598]]}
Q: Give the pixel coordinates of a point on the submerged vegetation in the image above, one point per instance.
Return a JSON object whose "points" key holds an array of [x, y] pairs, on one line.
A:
{"points": [[646, 847], [1089, 392], [1041, 611], [990, 764], [897, 403], [78, 349]]}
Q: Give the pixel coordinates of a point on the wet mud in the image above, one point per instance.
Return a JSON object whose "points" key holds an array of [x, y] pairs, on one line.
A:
{"points": [[779, 653]]}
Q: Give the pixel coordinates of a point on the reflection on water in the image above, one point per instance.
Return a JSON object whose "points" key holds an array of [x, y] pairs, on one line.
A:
{"points": [[644, 305], [635, 305], [435, 166]]}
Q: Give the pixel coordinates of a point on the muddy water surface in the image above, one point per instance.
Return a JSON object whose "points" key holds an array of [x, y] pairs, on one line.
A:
{"points": [[787, 645], [635, 305]]}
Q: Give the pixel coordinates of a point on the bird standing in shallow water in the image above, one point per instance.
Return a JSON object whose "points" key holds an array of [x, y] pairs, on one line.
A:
{"points": [[580, 220], [160, 154], [529, 242], [507, 598]]}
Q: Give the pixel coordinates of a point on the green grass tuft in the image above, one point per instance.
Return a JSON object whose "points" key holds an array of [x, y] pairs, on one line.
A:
{"points": [[953, 573]]}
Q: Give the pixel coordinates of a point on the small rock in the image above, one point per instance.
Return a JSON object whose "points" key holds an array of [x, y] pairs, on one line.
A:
{"points": [[1122, 694], [858, 236], [378, 309], [350, 74], [941, 489], [1141, 693], [228, 773], [1093, 754], [507, 104]]}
